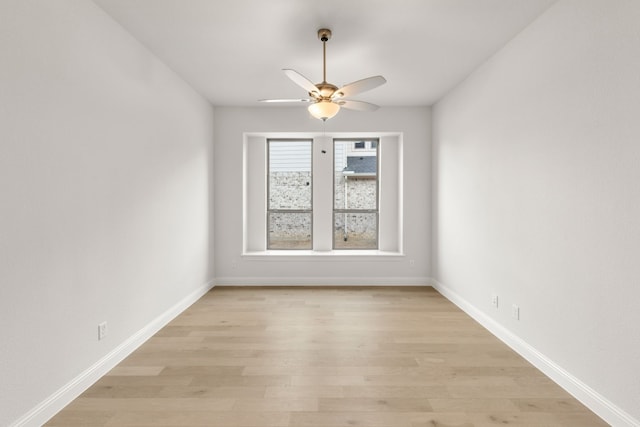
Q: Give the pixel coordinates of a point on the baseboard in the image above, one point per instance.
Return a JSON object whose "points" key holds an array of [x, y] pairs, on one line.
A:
{"points": [[323, 281], [604, 408], [61, 398]]}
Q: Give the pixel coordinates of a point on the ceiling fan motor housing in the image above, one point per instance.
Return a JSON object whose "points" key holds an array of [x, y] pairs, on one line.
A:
{"points": [[325, 90]]}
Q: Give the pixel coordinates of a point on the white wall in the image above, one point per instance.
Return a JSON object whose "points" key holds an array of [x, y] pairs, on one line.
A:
{"points": [[105, 194], [232, 268], [537, 195]]}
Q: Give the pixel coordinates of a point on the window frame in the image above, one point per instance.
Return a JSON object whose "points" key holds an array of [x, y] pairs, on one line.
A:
{"points": [[270, 211], [376, 211]]}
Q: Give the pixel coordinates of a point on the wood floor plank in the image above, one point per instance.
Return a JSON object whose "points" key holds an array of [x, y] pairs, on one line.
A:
{"points": [[89, 418], [136, 371], [293, 392], [275, 404], [476, 404], [148, 381], [405, 404], [242, 381], [212, 391], [324, 357], [350, 419], [336, 380], [389, 392], [199, 418], [151, 404]]}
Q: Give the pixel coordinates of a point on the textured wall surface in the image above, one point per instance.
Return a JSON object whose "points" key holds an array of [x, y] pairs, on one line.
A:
{"points": [[292, 190]]}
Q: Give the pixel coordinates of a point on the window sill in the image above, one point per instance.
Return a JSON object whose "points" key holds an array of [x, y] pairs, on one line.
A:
{"points": [[336, 255]]}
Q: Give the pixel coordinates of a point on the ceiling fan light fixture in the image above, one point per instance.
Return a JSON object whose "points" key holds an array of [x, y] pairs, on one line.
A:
{"points": [[324, 110]]}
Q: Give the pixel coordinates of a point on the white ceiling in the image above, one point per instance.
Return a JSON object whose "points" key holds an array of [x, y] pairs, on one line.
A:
{"points": [[233, 51]]}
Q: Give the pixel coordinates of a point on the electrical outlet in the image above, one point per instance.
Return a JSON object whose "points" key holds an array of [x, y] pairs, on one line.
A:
{"points": [[515, 311], [412, 262], [102, 330], [494, 301]]}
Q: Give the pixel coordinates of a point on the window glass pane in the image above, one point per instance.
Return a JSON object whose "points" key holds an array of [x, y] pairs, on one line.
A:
{"points": [[355, 177], [289, 230], [290, 175], [355, 230]]}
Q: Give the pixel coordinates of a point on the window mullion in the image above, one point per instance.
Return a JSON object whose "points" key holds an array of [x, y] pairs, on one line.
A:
{"points": [[322, 194]]}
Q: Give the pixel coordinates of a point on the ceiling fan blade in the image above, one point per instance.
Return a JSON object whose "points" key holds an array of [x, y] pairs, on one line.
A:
{"points": [[356, 105], [359, 87], [301, 80], [286, 100]]}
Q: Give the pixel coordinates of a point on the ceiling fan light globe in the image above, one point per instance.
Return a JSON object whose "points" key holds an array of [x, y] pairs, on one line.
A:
{"points": [[324, 110]]}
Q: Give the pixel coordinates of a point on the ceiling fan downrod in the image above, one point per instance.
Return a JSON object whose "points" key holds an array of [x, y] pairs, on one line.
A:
{"points": [[325, 90], [324, 35]]}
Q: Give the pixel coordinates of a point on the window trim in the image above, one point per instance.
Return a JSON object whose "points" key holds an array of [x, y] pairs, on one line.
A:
{"points": [[391, 204]]}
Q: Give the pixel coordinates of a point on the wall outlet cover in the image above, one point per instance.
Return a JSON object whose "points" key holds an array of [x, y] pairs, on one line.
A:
{"points": [[515, 311], [102, 330]]}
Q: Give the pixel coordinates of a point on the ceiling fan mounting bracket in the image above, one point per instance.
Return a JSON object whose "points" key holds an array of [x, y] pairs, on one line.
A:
{"points": [[324, 34]]}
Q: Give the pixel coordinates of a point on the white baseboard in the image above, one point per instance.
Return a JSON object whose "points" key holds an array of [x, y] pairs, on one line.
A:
{"points": [[589, 397], [61, 398], [604, 408], [323, 281]]}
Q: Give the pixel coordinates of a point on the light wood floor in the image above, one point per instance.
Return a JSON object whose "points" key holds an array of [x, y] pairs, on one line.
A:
{"points": [[324, 357]]}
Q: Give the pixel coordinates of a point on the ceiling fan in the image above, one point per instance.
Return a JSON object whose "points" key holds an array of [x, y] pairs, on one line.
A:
{"points": [[326, 98]]}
